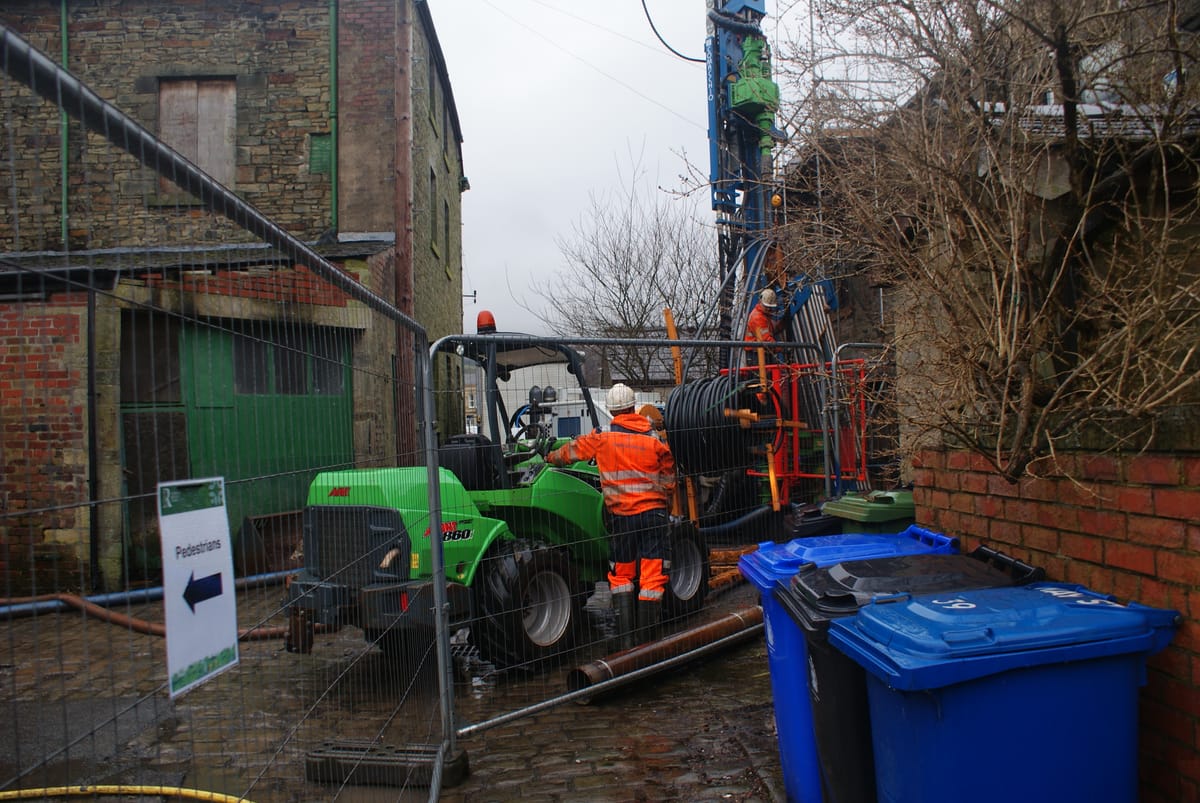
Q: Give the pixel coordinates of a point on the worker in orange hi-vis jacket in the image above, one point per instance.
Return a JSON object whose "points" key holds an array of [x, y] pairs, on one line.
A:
{"points": [[764, 320], [637, 479]]}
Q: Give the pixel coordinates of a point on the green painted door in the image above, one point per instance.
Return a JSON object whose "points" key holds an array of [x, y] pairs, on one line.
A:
{"points": [[268, 406]]}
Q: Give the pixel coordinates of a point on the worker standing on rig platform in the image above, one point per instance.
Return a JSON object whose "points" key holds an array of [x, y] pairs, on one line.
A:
{"points": [[637, 479], [765, 319]]}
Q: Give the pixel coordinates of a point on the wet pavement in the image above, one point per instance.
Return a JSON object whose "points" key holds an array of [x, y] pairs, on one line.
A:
{"points": [[704, 731], [85, 702]]}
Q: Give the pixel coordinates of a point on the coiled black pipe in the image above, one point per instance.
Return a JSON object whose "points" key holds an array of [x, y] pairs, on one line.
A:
{"points": [[702, 439]]}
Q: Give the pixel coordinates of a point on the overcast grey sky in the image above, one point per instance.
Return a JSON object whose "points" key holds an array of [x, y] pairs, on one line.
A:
{"points": [[557, 99]]}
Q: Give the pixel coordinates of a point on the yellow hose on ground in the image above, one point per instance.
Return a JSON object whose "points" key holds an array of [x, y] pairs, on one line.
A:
{"points": [[94, 791]]}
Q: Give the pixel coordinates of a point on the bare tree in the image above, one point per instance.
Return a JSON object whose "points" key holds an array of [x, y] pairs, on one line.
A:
{"points": [[1026, 176], [635, 254]]}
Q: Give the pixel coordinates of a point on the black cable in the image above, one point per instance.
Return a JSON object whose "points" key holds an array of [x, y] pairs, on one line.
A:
{"points": [[664, 41]]}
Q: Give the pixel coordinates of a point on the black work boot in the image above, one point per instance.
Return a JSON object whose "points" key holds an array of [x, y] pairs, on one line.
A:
{"points": [[623, 606], [649, 620]]}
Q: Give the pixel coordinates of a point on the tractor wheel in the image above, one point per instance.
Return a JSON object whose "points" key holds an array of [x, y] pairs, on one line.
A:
{"points": [[530, 605], [689, 572]]}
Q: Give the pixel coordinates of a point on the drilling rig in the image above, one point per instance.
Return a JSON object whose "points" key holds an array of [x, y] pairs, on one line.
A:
{"points": [[800, 427]]}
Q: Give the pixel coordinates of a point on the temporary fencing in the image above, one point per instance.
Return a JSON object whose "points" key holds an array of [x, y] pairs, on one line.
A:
{"points": [[540, 627], [177, 369], [231, 466]]}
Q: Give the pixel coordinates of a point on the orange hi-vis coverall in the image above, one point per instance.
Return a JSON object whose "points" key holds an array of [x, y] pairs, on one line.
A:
{"points": [[760, 326], [637, 478]]}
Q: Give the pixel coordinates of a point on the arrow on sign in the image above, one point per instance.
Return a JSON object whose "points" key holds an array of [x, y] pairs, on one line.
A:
{"points": [[202, 589]]}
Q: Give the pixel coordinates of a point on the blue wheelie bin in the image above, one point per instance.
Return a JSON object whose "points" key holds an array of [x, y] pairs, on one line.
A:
{"points": [[1032, 690], [837, 686], [772, 564]]}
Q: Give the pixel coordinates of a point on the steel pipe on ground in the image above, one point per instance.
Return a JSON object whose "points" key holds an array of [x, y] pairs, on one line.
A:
{"points": [[746, 622]]}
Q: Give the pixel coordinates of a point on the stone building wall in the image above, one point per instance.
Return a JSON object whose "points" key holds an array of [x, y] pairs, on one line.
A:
{"points": [[437, 218], [276, 54]]}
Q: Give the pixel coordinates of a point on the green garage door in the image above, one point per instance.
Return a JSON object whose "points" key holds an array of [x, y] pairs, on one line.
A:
{"points": [[268, 406]]}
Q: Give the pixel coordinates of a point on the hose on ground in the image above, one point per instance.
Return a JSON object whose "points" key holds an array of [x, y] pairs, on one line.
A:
{"points": [[156, 628], [732, 526], [120, 789]]}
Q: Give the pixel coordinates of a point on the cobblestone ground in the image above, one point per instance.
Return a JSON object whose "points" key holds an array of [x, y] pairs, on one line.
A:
{"points": [[703, 732], [84, 702]]}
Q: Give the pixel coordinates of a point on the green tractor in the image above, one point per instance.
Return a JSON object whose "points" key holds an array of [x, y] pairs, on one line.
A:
{"points": [[524, 543]]}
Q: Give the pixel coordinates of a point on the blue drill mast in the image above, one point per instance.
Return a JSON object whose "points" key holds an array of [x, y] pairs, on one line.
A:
{"points": [[742, 102]]}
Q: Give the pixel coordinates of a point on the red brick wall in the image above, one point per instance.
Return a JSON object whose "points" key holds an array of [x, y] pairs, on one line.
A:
{"points": [[1123, 526], [42, 447], [298, 286]]}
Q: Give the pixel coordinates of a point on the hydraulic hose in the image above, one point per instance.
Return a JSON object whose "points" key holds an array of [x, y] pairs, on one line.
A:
{"points": [[119, 789], [731, 526], [733, 23], [18, 607], [154, 628]]}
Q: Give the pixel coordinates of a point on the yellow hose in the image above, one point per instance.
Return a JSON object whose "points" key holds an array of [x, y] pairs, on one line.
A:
{"points": [[93, 791]]}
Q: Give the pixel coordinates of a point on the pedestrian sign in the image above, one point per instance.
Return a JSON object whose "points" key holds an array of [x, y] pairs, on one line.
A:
{"points": [[198, 592]]}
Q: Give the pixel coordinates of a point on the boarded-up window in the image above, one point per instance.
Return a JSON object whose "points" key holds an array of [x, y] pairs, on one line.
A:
{"points": [[198, 118], [320, 153], [446, 234], [433, 97]]}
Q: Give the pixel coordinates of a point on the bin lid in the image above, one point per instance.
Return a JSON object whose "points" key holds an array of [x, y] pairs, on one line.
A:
{"points": [[773, 562], [875, 506], [931, 641], [817, 594]]}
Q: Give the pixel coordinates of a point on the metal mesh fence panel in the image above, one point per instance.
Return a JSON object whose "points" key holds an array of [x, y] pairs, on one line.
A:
{"points": [[184, 380], [178, 373], [526, 528]]}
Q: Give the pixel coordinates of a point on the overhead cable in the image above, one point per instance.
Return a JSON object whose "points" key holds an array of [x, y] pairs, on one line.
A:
{"points": [[650, 20]]}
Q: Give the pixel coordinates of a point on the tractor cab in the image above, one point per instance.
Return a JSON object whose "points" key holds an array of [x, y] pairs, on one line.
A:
{"points": [[532, 395]]}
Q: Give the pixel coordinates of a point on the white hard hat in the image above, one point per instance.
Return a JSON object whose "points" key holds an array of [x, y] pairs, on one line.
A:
{"points": [[767, 299], [620, 397]]}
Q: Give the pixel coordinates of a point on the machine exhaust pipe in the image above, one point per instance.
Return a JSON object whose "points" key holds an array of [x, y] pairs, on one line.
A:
{"points": [[657, 655]]}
